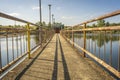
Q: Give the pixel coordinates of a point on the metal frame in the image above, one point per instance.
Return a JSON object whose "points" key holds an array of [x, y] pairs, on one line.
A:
{"points": [[83, 29], [14, 33]]}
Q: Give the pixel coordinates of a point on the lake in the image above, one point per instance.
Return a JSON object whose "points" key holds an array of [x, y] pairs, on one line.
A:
{"points": [[105, 46], [17, 46]]}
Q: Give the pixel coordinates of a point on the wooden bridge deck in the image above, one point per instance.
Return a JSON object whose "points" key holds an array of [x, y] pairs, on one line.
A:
{"points": [[59, 61]]}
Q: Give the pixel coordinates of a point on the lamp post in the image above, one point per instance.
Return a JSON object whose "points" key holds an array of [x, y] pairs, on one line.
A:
{"points": [[49, 15], [52, 20], [40, 12], [40, 26]]}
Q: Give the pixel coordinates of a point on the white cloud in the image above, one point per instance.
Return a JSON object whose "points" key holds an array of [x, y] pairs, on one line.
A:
{"points": [[58, 8], [67, 17], [36, 8], [14, 14]]}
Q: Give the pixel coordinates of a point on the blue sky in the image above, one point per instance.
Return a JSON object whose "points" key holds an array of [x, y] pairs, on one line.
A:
{"points": [[69, 12]]}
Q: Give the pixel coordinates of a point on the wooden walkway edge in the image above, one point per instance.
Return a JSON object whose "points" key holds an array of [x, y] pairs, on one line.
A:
{"points": [[58, 61]]}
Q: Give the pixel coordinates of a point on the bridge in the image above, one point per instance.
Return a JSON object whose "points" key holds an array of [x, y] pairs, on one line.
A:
{"points": [[57, 56]]}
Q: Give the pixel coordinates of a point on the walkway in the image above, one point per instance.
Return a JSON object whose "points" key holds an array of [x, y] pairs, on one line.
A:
{"points": [[59, 61]]}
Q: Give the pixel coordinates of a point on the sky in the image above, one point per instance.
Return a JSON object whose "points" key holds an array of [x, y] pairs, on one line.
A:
{"points": [[68, 12]]}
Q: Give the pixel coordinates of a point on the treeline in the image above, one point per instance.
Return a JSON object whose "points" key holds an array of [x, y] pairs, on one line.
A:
{"points": [[17, 26], [53, 25], [43, 24], [103, 23]]}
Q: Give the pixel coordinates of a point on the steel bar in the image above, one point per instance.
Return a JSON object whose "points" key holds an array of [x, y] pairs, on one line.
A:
{"points": [[7, 48], [92, 42], [84, 35], [21, 43], [28, 40], [119, 54], [105, 46], [17, 44], [97, 29], [95, 45], [99, 43], [111, 48], [14, 18], [0, 55], [72, 37], [102, 17], [98, 18], [13, 46]]}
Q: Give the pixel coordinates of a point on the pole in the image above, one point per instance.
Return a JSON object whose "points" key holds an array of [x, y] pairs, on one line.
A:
{"points": [[84, 54], [49, 15], [40, 27], [72, 37], [28, 40], [52, 20], [40, 12]]}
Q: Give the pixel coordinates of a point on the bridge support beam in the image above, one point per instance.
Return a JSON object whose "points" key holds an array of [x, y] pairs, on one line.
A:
{"points": [[28, 40]]}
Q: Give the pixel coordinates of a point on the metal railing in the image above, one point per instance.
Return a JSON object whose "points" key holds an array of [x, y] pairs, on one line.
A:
{"points": [[89, 41], [18, 42]]}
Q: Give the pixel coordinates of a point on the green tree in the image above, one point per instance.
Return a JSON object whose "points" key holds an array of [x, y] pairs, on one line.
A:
{"points": [[44, 24], [107, 24], [101, 23], [93, 25]]}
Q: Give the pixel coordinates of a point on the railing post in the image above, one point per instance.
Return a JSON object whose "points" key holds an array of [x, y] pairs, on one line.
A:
{"points": [[84, 54], [40, 35], [72, 37], [69, 35], [66, 32], [45, 36], [119, 55], [28, 40]]}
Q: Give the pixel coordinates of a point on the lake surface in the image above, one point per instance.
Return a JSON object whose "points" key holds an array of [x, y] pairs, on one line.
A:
{"points": [[104, 46], [17, 46]]}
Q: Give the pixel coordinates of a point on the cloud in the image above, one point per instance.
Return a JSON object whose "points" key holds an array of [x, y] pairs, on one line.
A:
{"points": [[36, 8], [67, 17], [58, 8], [14, 14]]}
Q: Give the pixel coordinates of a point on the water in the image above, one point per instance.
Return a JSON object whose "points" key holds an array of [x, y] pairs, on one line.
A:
{"points": [[17, 46], [104, 46]]}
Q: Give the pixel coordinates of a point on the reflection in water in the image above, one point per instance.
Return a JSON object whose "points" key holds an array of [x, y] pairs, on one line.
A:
{"points": [[103, 45], [17, 46]]}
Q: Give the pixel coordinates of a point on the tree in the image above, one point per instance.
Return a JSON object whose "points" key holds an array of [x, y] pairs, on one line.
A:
{"points": [[58, 25], [93, 25], [107, 24], [44, 24], [101, 23]]}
